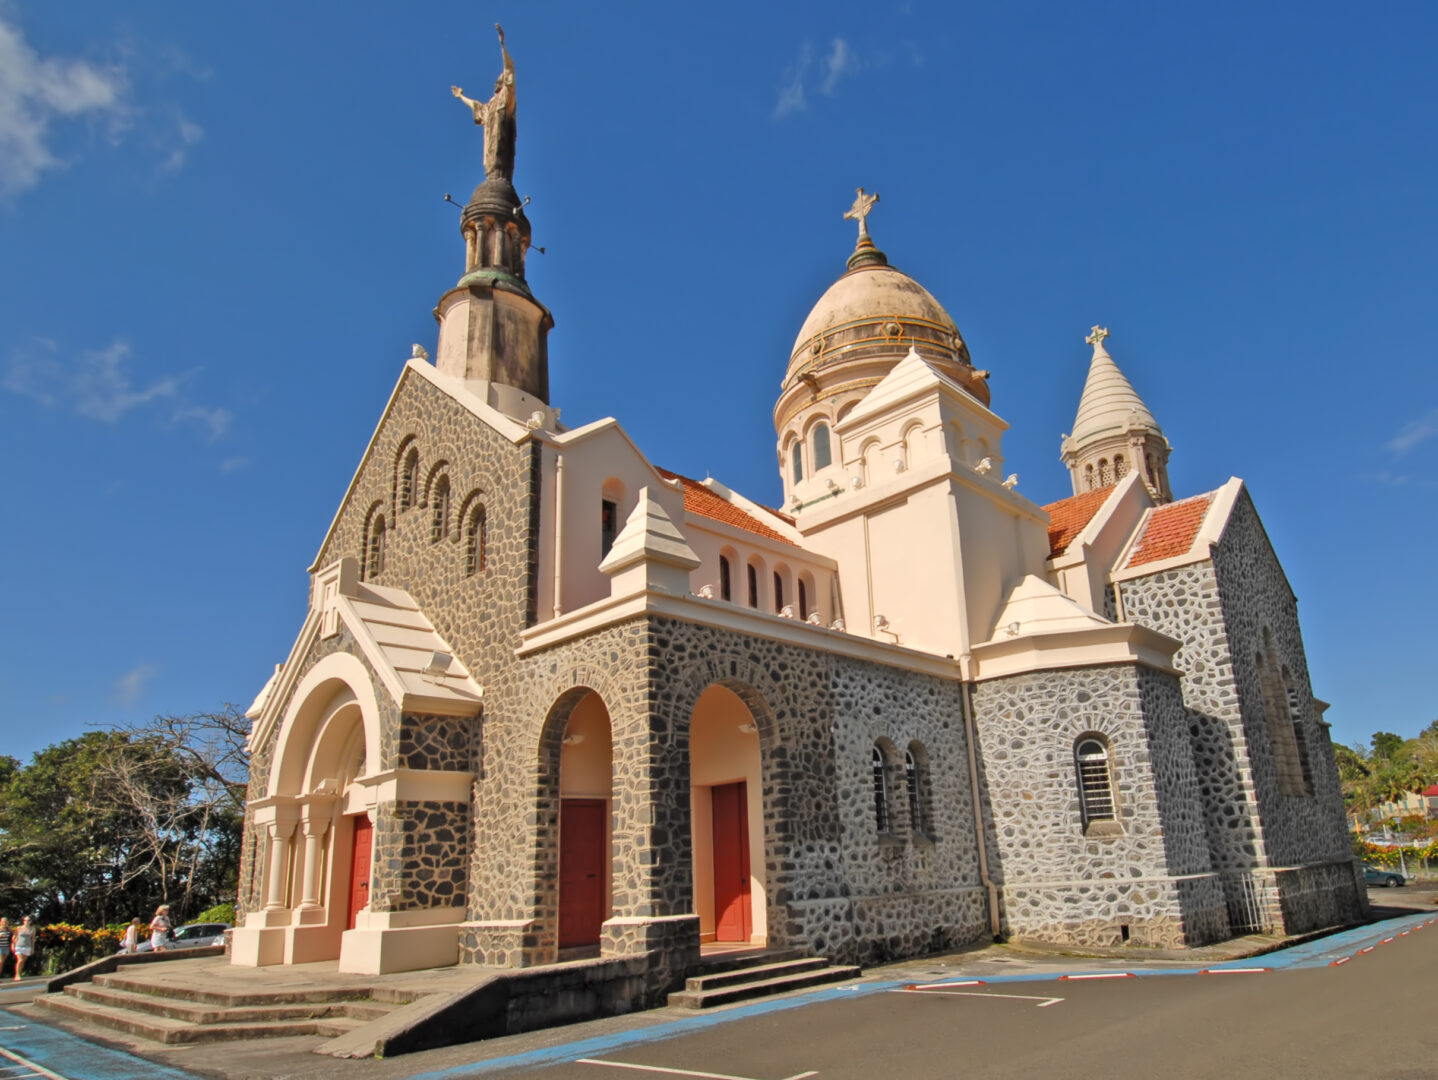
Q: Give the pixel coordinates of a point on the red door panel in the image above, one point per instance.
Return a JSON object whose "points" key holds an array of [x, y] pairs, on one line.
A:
{"points": [[733, 917], [363, 852], [583, 852]]}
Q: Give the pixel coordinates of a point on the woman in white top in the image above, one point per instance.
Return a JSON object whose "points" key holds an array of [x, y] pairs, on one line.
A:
{"points": [[160, 928], [132, 937], [24, 945]]}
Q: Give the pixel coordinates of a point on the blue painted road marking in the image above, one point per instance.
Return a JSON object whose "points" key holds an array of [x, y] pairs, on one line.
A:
{"points": [[74, 1058]]}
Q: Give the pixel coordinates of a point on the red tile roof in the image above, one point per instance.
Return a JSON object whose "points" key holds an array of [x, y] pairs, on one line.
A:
{"points": [[1431, 791], [1069, 516], [699, 500], [1170, 530]]}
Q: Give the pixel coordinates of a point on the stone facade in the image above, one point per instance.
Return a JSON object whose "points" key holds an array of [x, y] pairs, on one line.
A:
{"points": [[1229, 611], [1145, 877]]}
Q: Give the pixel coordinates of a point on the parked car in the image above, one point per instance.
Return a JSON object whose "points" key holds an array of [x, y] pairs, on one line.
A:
{"points": [[1373, 875], [193, 936]]}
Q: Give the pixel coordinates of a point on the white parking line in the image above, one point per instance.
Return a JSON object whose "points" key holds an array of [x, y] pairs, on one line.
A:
{"points": [[35, 1070], [682, 1072], [940, 991], [1103, 975]]}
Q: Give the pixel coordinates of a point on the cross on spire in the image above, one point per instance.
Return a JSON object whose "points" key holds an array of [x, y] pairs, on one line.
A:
{"points": [[863, 204], [1096, 336]]}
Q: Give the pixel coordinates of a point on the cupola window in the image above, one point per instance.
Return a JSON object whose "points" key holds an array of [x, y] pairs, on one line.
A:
{"points": [[822, 458], [796, 466]]}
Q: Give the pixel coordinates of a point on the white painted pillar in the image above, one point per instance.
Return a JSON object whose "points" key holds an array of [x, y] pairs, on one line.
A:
{"points": [[280, 834], [312, 830]]}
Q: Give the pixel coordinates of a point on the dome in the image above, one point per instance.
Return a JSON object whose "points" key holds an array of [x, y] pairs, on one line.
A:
{"points": [[871, 292], [864, 324]]}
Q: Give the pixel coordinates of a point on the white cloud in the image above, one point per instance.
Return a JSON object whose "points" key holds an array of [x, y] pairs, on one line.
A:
{"points": [[840, 62], [130, 686], [1414, 434], [791, 89], [36, 91], [804, 75], [100, 386], [186, 135], [213, 421]]}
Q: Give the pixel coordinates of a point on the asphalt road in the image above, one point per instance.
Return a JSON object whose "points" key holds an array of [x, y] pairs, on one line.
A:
{"points": [[1373, 1016], [1358, 1004]]}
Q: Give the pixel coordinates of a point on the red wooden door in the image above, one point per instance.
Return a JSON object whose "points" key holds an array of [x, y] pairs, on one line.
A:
{"points": [[360, 859], [733, 918], [583, 850]]}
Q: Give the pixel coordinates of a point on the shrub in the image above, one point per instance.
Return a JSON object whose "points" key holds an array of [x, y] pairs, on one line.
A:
{"points": [[219, 913]]}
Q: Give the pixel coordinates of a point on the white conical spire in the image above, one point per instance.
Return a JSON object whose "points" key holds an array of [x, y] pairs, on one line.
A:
{"points": [[1109, 404], [1114, 432]]}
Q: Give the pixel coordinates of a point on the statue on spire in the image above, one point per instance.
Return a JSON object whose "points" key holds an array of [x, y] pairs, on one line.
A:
{"points": [[863, 204], [496, 116], [1096, 336]]}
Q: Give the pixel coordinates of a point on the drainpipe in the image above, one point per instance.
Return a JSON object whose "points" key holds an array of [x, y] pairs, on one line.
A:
{"points": [[971, 737], [558, 533]]}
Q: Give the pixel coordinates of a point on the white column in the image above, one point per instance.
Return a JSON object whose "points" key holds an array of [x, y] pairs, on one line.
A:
{"points": [[313, 832], [280, 834]]}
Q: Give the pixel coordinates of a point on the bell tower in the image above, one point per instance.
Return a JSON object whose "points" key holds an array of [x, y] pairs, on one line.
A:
{"points": [[1114, 432], [491, 328]]}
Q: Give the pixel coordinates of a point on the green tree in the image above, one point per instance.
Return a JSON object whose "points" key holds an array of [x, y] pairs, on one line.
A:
{"points": [[1386, 744]]}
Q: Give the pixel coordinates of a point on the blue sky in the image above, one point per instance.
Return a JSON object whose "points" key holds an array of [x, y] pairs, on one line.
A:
{"points": [[221, 228]]}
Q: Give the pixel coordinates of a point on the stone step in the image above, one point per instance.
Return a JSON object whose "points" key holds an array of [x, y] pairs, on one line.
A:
{"points": [[744, 991], [163, 1029], [230, 998], [755, 973], [206, 1013], [714, 965]]}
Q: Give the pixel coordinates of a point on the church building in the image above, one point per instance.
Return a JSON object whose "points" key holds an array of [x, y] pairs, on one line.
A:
{"points": [[552, 700]]}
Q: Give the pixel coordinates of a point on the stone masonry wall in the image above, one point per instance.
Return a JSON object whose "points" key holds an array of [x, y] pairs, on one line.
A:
{"points": [[834, 885], [1060, 881], [1219, 609]]}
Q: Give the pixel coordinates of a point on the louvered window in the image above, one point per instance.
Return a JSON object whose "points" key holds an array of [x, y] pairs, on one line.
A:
{"points": [[1095, 782], [883, 818]]}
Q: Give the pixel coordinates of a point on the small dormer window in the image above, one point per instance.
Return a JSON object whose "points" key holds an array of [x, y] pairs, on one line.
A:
{"points": [[822, 457]]}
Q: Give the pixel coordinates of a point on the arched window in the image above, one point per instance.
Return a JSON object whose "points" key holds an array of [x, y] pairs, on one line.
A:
{"points": [[1095, 779], [778, 592], [1103, 473], [726, 586], [374, 556], [608, 525], [409, 479], [1088, 477], [883, 817], [476, 540], [822, 456], [439, 503], [753, 585], [1300, 736], [796, 463], [803, 600], [1120, 467], [916, 784]]}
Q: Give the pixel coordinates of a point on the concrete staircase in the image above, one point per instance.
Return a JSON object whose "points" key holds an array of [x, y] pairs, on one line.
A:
{"points": [[174, 1015], [726, 980]]}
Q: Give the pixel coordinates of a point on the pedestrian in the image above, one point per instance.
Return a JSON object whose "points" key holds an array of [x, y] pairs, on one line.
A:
{"points": [[6, 936], [160, 928], [24, 945], [132, 936]]}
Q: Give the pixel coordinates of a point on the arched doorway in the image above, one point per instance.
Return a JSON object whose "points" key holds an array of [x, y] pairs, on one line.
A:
{"points": [[585, 795], [726, 790]]}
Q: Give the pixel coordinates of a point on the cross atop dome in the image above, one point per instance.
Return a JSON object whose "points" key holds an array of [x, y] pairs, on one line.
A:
{"points": [[1096, 336], [863, 205]]}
